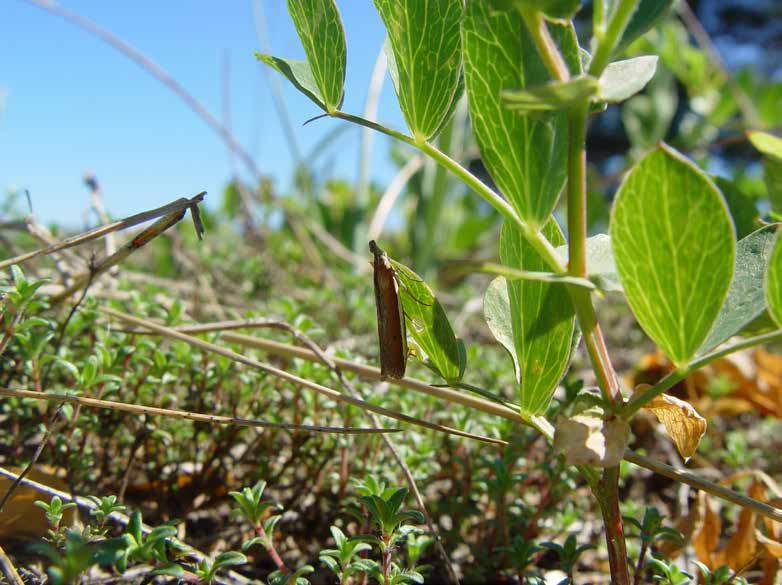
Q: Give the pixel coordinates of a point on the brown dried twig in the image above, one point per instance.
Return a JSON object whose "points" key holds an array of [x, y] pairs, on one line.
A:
{"points": [[139, 218], [196, 416], [302, 382]]}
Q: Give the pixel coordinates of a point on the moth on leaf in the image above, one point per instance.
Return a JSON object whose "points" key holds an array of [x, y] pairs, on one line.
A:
{"points": [[404, 299], [391, 332]]}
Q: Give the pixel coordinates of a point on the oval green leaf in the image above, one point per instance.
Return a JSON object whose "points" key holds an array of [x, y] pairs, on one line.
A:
{"points": [[298, 73], [646, 15], [771, 147], [745, 301], [623, 79], [425, 59], [674, 247], [526, 155], [496, 311], [433, 339], [321, 32], [774, 283], [541, 320]]}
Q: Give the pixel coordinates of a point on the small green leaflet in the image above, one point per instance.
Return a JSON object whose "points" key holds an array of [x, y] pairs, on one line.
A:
{"points": [[533, 320], [745, 300], [526, 155], [774, 283], [742, 208], [322, 77], [321, 32], [623, 79], [600, 262], [648, 13], [674, 247], [298, 73], [553, 95], [424, 60], [771, 147], [553, 9], [433, 340]]}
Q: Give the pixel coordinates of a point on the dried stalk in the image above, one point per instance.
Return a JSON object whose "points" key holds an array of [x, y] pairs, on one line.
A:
{"points": [[175, 206], [214, 419]]}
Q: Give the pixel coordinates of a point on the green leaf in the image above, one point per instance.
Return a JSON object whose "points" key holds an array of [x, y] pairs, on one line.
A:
{"points": [[771, 147], [766, 143], [742, 208], [648, 13], [425, 59], [526, 155], [774, 283], [623, 79], [433, 339], [772, 176], [601, 266], [553, 95], [298, 73], [674, 247], [169, 570], [496, 311], [321, 32], [541, 320], [557, 9], [229, 558], [745, 300]]}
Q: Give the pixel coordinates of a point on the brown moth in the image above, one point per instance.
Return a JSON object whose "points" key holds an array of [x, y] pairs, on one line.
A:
{"points": [[390, 320]]}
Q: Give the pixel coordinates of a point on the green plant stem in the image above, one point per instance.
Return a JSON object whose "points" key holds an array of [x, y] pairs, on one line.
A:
{"points": [[617, 24], [551, 56], [639, 400], [517, 274], [576, 190], [533, 236], [639, 566], [598, 19]]}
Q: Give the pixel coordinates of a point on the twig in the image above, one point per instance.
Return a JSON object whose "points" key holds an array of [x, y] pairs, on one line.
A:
{"points": [[96, 201], [9, 570], [206, 418], [333, 394], [704, 485], [178, 205], [489, 407], [137, 242]]}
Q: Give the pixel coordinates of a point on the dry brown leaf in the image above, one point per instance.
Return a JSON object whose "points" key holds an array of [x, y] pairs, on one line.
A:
{"points": [[742, 546], [590, 440], [772, 547], [707, 536], [682, 422], [21, 517], [770, 568], [754, 377]]}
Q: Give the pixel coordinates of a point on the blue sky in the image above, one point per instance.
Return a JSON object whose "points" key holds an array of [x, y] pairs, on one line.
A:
{"points": [[72, 103]]}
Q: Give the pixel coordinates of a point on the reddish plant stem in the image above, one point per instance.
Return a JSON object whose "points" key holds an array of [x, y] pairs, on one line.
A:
{"points": [[612, 519], [271, 551]]}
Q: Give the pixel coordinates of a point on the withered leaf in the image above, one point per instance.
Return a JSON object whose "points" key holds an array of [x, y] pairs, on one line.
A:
{"points": [[681, 421], [707, 536], [589, 440]]}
